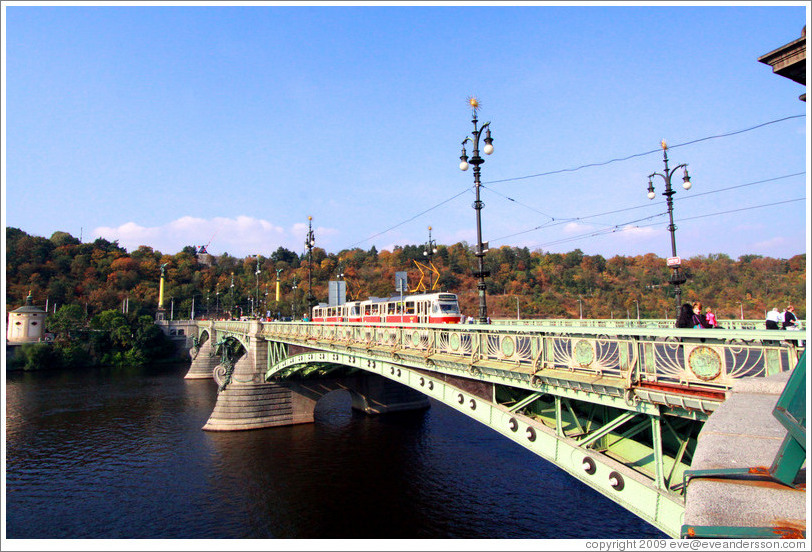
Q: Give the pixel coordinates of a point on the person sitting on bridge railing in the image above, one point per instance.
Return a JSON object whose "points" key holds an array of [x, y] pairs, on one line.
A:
{"points": [[698, 319], [773, 319], [790, 321]]}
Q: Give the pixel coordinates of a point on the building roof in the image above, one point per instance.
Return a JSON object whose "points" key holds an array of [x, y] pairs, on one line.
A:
{"points": [[29, 306], [789, 60]]}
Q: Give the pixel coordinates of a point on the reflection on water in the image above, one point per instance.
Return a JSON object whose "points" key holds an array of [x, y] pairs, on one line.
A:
{"points": [[115, 453]]}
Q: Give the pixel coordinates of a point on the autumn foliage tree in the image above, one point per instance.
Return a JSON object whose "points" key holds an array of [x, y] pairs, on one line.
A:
{"points": [[102, 276]]}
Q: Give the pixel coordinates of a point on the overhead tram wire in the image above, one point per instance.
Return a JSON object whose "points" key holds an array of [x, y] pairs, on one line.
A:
{"points": [[578, 219], [733, 133], [741, 185], [643, 154], [467, 189], [618, 227]]}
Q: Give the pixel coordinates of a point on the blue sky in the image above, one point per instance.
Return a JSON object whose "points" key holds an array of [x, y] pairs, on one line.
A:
{"points": [[178, 125]]}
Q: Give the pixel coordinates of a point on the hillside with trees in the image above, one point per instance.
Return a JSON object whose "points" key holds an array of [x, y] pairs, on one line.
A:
{"points": [[103, 276]]}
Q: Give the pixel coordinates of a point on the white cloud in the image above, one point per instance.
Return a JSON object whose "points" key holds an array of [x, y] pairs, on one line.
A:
{"points": [[639, 232], [240, 236], [576, 227], [769, 245]]}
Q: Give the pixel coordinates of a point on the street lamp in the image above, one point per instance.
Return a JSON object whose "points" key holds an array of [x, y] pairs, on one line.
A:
{"points": [[310, 241], [638, 308], [580, 308], [293, 288], [476, 161], [677, 277], [231, 314], [741, 310], [429, 249], [257, 273]]}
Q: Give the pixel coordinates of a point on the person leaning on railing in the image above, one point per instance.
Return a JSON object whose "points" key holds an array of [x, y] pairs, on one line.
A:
{"points": [[790, 322], [685, 318]]}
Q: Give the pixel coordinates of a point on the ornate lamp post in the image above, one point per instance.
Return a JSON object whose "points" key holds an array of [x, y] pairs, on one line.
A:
{"points": [[310, 241], [476, 161], [677, 277], [429, 249], [231, 314], [637, 304], [580, 309], [257, 296], [293, 288]]}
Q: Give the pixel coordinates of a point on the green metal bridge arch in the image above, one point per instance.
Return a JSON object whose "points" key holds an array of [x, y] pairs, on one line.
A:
{"points": [[619, 411], [577, 457]]}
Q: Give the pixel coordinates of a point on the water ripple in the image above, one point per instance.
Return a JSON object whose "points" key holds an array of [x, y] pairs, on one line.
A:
{"points": [[108, 454]]}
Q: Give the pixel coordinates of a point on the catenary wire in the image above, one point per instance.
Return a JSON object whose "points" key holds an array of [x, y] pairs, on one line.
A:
{"points": [[643, 154], [576, 219], [573, 170], [617, 227]]}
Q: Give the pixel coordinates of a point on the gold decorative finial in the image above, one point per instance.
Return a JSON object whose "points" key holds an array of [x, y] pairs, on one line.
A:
{"points": [[663, 144], [309, 218], [429, 227], [473, 102]]}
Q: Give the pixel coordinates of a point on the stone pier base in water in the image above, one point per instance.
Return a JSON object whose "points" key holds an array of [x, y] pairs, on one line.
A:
{"points": [[256, 405], [246, 401], [204, 360]]}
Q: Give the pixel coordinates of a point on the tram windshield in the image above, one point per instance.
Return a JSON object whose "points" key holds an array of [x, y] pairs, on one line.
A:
{"points": [[449, 308]]}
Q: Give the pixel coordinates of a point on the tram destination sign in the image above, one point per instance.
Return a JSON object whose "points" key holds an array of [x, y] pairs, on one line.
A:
{"points": [[674, 262]]}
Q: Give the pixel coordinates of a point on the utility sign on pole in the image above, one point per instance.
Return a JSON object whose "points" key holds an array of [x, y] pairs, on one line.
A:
{"points": [[401, 283], [337, 292], [673, 262]]}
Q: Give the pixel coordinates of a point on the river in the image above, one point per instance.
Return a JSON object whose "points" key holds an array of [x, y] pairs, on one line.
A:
{"points": [[118, 453]]}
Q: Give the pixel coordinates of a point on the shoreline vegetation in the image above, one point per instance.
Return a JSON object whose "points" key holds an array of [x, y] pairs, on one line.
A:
{"points": [[111, 338], [102, 299]]}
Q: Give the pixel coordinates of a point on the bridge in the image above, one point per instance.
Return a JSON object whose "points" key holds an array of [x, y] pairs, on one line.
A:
{"points": [[619, 406]]}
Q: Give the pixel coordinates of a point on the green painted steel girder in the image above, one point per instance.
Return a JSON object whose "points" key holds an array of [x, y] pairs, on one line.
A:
{"points": [[607, 475], [598, 383]]}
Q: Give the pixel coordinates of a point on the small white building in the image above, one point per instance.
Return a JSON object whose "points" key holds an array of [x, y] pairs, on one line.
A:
{"points": [[26, 324]]}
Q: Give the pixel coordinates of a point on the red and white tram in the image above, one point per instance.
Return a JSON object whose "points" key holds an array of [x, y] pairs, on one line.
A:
{"points": [[431, 308]]}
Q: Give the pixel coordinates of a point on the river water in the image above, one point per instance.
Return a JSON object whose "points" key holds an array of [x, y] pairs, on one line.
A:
{"points": [[118, 453]]}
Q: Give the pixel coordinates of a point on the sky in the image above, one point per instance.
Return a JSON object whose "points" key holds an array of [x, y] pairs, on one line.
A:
{"points": [[172, 125]]}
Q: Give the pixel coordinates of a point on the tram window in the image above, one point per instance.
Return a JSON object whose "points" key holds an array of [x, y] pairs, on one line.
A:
{"points": [[409, 307], [449, 308], [391, 308]]}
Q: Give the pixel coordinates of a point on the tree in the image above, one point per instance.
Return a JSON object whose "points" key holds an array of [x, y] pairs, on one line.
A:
{"points": [[68, 318], [60, 239], [284, 255]]}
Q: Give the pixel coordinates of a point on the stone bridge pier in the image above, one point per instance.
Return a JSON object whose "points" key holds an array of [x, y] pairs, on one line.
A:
{"points": [[204, 357], [246, 401]]}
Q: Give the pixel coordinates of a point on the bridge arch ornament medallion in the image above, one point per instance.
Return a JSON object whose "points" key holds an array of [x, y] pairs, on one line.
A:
{"points": [[705, 363]]}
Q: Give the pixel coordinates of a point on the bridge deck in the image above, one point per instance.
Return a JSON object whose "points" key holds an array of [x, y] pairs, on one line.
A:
{"points": [[617, 408], [743, 433]]}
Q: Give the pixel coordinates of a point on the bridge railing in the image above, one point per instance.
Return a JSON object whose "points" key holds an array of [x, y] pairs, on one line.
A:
{"points": [[664, 323], [706, 359]]}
